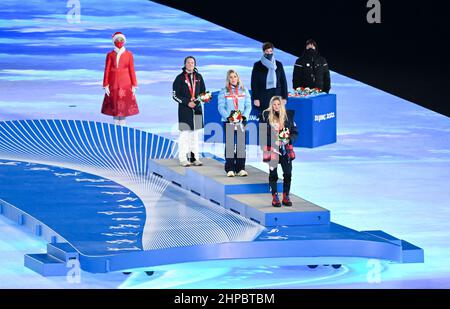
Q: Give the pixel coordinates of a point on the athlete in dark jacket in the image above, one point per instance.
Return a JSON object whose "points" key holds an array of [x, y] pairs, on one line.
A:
{"points": [[277, 152], [182, 95], [187, 87]]}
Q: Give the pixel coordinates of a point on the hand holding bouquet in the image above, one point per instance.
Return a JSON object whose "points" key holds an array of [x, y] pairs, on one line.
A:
{"points": [[285, 148], [284, 136], [203, 98], [236, 117]]}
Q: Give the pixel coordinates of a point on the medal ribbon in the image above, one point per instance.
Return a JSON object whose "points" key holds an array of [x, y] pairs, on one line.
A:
{"points": [[235, 96], [191, 87]]}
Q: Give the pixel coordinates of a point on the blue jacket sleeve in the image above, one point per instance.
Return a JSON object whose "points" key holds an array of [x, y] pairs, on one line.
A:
{"points": [[247, 104], [222, 104]]}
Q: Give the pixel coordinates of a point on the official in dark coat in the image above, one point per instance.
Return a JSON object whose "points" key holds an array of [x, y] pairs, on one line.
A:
{"points": [[187, 87], [268, 79], [311, 69]]}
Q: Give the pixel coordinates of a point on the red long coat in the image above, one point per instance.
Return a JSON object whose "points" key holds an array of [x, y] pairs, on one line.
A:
{"points": [[121, 101]]}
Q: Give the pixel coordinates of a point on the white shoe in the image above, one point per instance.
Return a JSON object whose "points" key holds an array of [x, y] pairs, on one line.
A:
{"points": [[185, 163], [197, 163], [242, 173], [230, 174]]}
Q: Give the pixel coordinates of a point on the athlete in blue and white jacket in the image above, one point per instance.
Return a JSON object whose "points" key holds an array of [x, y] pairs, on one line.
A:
{"points": [[234, 96]]}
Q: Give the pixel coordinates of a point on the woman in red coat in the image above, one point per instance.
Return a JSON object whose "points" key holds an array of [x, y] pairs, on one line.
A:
{"points": [[119, 82]]}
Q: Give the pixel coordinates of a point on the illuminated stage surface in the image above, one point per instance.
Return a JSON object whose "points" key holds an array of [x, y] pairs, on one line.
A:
{"points": [[388, 171], [139, 221]]}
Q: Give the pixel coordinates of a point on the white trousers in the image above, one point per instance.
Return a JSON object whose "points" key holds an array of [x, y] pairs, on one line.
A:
{"points": [[187, 143]]}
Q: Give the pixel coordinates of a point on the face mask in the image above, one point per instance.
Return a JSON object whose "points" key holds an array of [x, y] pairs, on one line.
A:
{"points": [[269, 56], [311, 51], [119, 44]]}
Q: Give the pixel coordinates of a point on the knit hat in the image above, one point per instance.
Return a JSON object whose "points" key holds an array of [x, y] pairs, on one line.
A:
{"points": [[117, 35]]}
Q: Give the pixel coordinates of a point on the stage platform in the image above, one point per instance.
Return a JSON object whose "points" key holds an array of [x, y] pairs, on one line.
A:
{"points": [[113, 199], [257, 207], [209, 180], [247, 196]]}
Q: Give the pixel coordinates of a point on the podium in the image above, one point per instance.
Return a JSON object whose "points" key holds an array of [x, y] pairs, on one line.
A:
{"points": [[315, 117], [248, 196]]}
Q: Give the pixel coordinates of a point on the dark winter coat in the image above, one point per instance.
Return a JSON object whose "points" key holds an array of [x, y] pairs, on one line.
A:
{"points": [[258, 84], [188, 118], [311, 70]]}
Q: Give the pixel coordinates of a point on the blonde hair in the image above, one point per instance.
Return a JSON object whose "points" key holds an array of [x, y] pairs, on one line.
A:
{"points": [[227, 81], [282, 113]]}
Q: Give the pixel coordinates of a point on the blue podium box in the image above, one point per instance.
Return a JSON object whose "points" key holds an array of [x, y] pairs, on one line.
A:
{"points": [[315, 117]]}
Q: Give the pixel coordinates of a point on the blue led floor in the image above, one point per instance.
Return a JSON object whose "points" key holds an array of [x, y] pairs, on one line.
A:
{"points": [[96, 214]]}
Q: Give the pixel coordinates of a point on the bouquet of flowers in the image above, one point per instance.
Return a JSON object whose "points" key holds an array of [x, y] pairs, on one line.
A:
{"points": [[270, 153], [204, 97], [306, 91], [236, 117], [284, 136]]}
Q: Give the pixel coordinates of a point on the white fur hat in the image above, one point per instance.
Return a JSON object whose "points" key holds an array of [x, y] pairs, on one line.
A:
{"points": [[118, 35]]}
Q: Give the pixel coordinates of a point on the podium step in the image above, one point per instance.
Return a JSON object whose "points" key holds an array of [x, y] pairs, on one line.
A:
{"points": [[258, 208], [385, 236], [170, 170], [210, 181], [45, 265], [247, 196], [62, 251], [410, 252]]}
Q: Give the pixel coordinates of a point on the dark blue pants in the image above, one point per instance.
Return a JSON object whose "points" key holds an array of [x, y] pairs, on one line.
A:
{"points": [[234, 148], [286, 165]]}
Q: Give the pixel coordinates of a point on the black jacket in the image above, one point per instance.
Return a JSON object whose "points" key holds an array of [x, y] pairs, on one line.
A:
{"points": [[289, 123], [311, 70], [258, 84], [182, 96]]}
